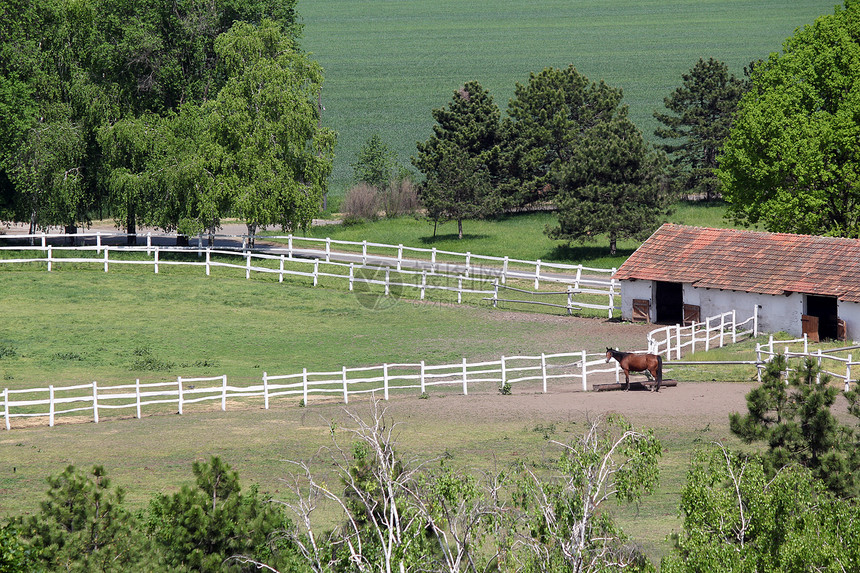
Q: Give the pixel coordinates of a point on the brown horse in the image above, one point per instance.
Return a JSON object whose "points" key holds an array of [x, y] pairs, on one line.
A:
{"points": [[653, 363]]}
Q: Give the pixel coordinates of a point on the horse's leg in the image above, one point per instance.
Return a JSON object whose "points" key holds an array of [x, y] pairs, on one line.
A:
{"points": [[627, 379], [659, 374]]}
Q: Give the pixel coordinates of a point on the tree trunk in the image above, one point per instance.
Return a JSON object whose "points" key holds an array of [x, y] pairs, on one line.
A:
{"points": [[459, 228], [131, 228], [252, 229], [71, 230], [612, 241]]}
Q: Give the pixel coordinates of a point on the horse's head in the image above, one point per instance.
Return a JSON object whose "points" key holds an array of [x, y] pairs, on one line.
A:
{"points": [[608, 354]]}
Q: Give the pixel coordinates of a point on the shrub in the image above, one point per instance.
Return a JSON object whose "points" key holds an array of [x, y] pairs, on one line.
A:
{"points": [[400, 198], [360, 204]]}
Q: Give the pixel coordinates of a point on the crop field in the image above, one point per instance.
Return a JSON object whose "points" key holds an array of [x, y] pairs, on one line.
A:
{"points": [[388, 63]]}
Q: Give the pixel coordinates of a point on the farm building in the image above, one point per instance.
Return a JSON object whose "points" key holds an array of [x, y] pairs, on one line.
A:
{"points": [[800, 283]]}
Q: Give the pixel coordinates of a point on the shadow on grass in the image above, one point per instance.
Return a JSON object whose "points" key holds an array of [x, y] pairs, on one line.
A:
{"points": [[585, 253], [451, 238]]}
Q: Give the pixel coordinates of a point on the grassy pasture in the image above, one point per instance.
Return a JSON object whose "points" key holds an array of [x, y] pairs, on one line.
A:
{"points": [[388, 64]]}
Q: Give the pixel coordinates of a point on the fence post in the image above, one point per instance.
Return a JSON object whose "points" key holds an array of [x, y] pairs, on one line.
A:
{"points": [[49, 258], [51, 405], [149, 243], [327, 249], [504, 373], [364, 252], [543, 370], [265, 390], [106, 259], [248, 265], [678, 340], [734, 326], [805, 344], [465, 385], [155, 260], [693, 337], [584, 383], [468, 259], [423, 387], [6, 407], [570, 300], [44, 241], [433, 260], [399, 256], [537, 274], [848, 374], [208, 261], [351, 275], [758, 364], [495, 294], [755, 321], [423, 282], [722, 329], [137, 396], [290, 245], [179, 386], [459, 290], [316, 271], [385, 380], [818, 375], [95, 402], [305, 385], [505, 270], [281, 270], [345, 390], [387, 281]]}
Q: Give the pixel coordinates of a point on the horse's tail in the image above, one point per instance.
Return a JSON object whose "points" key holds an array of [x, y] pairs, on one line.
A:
{"points": [[659, 371]]}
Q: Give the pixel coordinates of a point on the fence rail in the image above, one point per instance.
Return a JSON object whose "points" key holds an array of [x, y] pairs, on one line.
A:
{"points": [[824, 358], [573, 370], [583, 292], [713, 332]]}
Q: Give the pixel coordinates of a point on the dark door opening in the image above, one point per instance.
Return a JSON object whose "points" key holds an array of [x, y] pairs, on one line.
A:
{"points": [[669, 302], [825, 308]]}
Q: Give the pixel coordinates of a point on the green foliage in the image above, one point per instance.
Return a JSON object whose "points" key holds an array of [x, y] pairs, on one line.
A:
{"points": [[546, 119], [505, 389], [459, 160], [795, 420], [376, 163], [82, 526], [610, 185], [791, 162], [203, 528], [15, 556], [739, 519], [564, 526], [700, 118]]}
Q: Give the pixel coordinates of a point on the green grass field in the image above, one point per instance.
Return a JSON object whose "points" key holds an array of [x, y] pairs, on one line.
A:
{"points": [[388, 64]]}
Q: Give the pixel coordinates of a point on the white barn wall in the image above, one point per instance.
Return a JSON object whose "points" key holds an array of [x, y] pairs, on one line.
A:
{"points": [[850, 313], [776, 313]]}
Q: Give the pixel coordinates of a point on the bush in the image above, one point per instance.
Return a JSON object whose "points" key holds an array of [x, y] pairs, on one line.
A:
{"points": [[400, 198], [360, 204]]}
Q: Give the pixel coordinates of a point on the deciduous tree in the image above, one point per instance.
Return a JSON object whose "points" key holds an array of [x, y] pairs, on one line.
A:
{"points": [[792, 163]]}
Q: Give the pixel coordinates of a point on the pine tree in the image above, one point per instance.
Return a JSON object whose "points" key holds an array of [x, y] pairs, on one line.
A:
{"points": [[609, 185], [460, 159], [700, 119]]}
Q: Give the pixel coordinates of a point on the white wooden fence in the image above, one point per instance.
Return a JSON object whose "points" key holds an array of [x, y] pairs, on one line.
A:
{"points": [[713, 332], [567, 370], [827, 362], [582, 288]]}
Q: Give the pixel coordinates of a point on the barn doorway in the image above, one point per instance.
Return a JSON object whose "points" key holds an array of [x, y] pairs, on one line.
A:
{"points": [[826, 310], [669, 302]]}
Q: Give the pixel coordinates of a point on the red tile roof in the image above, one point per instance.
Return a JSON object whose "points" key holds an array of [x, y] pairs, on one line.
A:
{"points": [[749, 261]]}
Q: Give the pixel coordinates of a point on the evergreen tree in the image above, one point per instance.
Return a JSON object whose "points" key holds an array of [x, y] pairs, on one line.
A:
{"points": [[796, 422], [700, 118], [546, 119], [610, 184], [376, 163], [460, 160]]}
